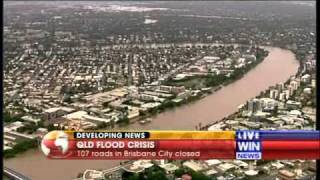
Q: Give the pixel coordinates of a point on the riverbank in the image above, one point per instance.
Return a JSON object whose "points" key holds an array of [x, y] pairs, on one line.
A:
{"points": [[262, 94], [213, 83], [218, 84], [277, 67]]}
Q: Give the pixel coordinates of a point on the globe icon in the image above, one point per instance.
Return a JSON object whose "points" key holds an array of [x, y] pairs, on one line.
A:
{"points": [[55, 144]]}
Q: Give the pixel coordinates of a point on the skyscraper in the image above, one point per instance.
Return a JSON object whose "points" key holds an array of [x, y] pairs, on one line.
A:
{"points": [[254, 106]]}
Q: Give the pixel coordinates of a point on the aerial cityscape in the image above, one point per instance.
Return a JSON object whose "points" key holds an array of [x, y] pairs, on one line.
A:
{"points": [[156, 65]]}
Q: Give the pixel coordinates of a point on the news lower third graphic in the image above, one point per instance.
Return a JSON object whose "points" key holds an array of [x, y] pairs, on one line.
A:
{"points": [[56, 144], [245, 145], [248, 145]]}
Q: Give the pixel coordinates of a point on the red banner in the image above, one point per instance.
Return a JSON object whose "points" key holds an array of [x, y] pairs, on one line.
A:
{"points": [[177, 149]]}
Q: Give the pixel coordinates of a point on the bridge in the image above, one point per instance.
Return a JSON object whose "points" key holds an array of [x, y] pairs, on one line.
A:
{"points": [[11, 174]]}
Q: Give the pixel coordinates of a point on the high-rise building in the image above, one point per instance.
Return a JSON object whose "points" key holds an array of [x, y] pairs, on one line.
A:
{"points": [[274, 93], [130, 60], [282, 97], [254, 105], [294, 84], [306, 78], [280, 87], [287, 93]]}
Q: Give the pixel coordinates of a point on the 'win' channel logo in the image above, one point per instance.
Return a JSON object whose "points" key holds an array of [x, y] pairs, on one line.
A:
{"points": [[248, 145]]}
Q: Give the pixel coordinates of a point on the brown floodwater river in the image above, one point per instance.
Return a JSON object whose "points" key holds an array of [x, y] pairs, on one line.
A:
{"points": [[277, 67]]}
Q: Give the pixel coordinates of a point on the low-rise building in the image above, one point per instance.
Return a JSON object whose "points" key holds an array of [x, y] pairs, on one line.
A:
{"points": [[195, 165], [286, 175]]}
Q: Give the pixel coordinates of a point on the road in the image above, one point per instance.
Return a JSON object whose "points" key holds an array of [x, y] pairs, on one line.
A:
{"points": [[14, 175]]}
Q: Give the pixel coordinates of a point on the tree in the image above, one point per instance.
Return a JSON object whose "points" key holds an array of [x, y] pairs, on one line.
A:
{"points": [[179, 172], [80, 175], [102, 125], [105, 104], [8, 118], [51, 127], [198, 176], [41, 123], [68, 100], [112, 123], [20, 147], [130, 176], [275, 111], [155, 173], [134, 177], [124, 120], [142, 113]]}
